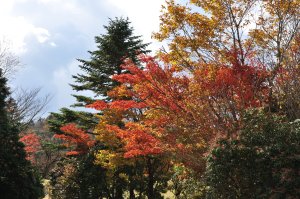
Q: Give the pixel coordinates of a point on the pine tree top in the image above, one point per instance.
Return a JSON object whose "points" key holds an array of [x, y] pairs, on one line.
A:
{"points": [[113, 48]]}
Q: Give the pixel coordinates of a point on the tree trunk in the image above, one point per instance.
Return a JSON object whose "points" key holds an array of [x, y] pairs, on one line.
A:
{"points": [[150, 179], [131, 187], [118, 187]]}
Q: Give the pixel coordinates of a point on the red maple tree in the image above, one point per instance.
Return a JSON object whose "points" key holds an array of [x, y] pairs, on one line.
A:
{"points": [[32, 145], [75, 138]]}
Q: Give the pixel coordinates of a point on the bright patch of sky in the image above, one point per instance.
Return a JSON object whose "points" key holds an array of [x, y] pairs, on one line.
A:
{"points": [[49, 35]]}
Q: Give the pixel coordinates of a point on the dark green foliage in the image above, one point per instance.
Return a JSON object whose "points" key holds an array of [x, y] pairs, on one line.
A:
{"points": [[92, 178], [79, 178], [264, 162], [84, 120], [113, 47], [17, 178], [186, 184]]}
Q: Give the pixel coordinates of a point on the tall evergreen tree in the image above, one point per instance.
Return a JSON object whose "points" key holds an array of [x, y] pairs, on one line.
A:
{"points": [[113, 47], [17, 179]]}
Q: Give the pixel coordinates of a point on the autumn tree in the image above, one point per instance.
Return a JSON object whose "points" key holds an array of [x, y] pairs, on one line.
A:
{"points": [[112, 48], [42, 148], [237, 55], [131, 147], [173, 116], [243, 31], [215, 68], [32, 145]]}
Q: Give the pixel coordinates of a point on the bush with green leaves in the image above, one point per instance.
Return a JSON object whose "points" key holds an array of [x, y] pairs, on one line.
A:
{"points": [[263, 162]]}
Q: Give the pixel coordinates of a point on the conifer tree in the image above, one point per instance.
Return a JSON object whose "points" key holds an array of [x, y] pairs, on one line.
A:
{"points": [[113, 47], [17, 179]]}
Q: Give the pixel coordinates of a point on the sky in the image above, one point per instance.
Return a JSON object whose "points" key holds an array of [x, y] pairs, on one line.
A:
{"points": [[49, 35]]}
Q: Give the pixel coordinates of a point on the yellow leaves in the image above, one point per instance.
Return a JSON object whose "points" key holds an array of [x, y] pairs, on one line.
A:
{"points": [[194, 35], [112, 160], [274, 7], [200, 145], [109, 138], [120, 92], [172, 18], [206, 31], [111, 116], [105, 158], [259, 37]]}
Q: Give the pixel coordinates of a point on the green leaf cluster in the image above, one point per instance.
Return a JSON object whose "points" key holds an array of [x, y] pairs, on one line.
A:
{"points": [[263, 162]]}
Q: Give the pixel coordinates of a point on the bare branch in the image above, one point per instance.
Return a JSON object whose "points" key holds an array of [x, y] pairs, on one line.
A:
{"points": [[9, 62], [26, 106]]}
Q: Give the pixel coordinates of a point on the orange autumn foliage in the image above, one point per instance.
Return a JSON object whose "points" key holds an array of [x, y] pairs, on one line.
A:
{"points": [[138, 141], [32, 145], [182, 111], [76, 138], [185, 111], [98, 105], [117, 104]]}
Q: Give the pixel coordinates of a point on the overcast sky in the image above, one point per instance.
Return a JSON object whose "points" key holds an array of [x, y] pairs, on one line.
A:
{"points": [[49, 35]]}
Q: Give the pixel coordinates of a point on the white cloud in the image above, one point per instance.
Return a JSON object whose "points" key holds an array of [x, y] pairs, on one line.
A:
{"points": [[52, 44], [63, 74], [16, 29], [6, 7], [41, 34], [53, 22], [143, 14]]}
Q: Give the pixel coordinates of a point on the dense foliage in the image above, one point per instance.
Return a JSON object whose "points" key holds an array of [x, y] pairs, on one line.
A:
{"points": [[262, 163], [17, 177]]}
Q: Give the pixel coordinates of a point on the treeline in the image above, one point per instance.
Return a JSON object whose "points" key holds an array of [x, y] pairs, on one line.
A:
{"points": [[216, 115]]}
